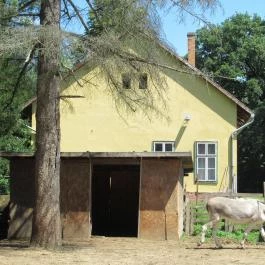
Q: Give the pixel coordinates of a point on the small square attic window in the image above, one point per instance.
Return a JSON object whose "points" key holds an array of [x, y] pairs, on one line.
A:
{"points": [[126, 81], [143, 81]]}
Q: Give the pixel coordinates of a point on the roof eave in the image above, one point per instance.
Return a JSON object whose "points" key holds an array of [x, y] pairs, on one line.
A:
{"points": [[185, 157]]}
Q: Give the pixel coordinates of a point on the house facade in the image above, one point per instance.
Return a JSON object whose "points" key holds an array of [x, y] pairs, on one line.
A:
{"points": [[198, 117], [123, 173]]}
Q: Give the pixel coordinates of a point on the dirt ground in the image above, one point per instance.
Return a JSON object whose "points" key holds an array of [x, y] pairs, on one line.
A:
{"points": [[122, 251]]}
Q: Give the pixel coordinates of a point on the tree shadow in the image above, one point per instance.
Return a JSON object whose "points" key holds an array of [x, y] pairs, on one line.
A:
{"points": [[17, 244]]}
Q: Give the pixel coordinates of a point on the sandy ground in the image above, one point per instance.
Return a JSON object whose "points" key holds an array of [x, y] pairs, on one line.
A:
{"points": [[124, 251]]}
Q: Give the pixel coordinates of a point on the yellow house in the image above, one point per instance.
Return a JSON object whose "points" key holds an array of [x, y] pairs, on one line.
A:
{"points": [[199, 117], [122, 171]]}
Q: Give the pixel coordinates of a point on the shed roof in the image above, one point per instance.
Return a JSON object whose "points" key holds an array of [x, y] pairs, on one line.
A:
{"points": [[185, 157]]}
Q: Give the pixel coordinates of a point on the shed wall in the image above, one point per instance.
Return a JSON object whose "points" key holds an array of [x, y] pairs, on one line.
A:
{"points": [[160, 213], [75, 198], [159, 199], [21, 197]]}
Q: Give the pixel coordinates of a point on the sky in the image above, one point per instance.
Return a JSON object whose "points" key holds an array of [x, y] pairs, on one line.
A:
{"points": [[175, 33]]}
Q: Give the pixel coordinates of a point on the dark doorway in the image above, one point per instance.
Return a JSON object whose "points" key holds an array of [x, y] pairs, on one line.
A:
{"points": [[115, 200]]}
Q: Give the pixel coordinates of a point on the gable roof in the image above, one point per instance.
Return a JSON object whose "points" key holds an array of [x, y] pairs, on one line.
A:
{"points": [[243, 112]]}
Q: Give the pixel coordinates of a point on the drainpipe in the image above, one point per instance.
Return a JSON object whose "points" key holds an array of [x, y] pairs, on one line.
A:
{"points": [[233, 136]]}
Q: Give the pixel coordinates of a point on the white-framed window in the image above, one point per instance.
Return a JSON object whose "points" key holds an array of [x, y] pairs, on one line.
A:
{"points": [[206, 161], [163, 146]]}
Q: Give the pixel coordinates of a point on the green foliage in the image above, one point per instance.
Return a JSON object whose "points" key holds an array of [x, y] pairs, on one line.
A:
{"points": [[4, 174], [124, 16], [235, 49], [4, 185], [252, 153], [18, 139], [199, 210], [235, 236], [122, 36], [13, 96], [233, 54], [14, 135]]}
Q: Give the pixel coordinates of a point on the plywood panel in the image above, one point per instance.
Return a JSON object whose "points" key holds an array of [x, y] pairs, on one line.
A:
{"points": [[172, 226], [21, 197], [159, 198], [75, 188], [152, 225], [76, 225], [75, 196]]}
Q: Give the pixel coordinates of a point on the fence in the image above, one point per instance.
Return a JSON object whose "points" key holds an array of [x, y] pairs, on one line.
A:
{"points": [[195, 210]]}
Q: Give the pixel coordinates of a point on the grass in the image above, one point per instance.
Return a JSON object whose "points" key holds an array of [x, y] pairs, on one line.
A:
{"points": [[235, 236]]}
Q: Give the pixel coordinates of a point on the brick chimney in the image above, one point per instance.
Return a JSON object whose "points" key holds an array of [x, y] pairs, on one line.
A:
{"points": [[191, 48]]}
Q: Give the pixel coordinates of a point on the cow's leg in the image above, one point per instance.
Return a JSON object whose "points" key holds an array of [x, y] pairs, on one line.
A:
{"points": [[212, 224], [204, 229], [262, 233], [216, 241], [246, 232]]}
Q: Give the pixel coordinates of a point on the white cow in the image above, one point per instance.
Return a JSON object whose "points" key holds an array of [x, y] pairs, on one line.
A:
{"points": [[244, 211]]}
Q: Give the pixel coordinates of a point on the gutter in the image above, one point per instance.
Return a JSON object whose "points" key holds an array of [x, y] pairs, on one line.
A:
{"points": [[237, 131], [233, 136]]}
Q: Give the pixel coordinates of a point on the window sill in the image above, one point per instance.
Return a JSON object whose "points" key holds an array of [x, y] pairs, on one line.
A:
{"points": [[207, 182]]}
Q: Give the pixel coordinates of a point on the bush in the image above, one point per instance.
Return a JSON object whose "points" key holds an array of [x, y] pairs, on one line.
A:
{"points": [[4, 185], [4, 171]]}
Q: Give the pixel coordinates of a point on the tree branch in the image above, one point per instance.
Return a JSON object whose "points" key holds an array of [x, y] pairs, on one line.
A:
{"points": [[71, 72], [27, 62], [27, 4], [197, 16], [66, 10], [71, 96], [28, 15], [78, 14], [131, 58], [94, 10]]}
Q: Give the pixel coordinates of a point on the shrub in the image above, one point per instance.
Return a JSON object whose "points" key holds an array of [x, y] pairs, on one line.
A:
{"points": [[4, 185]]}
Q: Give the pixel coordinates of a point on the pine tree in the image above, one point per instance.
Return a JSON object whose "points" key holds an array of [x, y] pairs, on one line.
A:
{"points": [[133, 24]]}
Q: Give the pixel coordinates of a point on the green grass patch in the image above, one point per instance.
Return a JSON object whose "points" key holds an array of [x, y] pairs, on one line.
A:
{"points": [[237, 234], [201, 217]]}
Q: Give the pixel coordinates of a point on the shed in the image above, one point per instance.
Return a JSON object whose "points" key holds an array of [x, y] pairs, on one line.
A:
{"points": [[125, 194]]}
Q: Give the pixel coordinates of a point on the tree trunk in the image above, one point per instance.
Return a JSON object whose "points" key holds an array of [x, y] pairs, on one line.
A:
{"points": [[46, 226]]}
